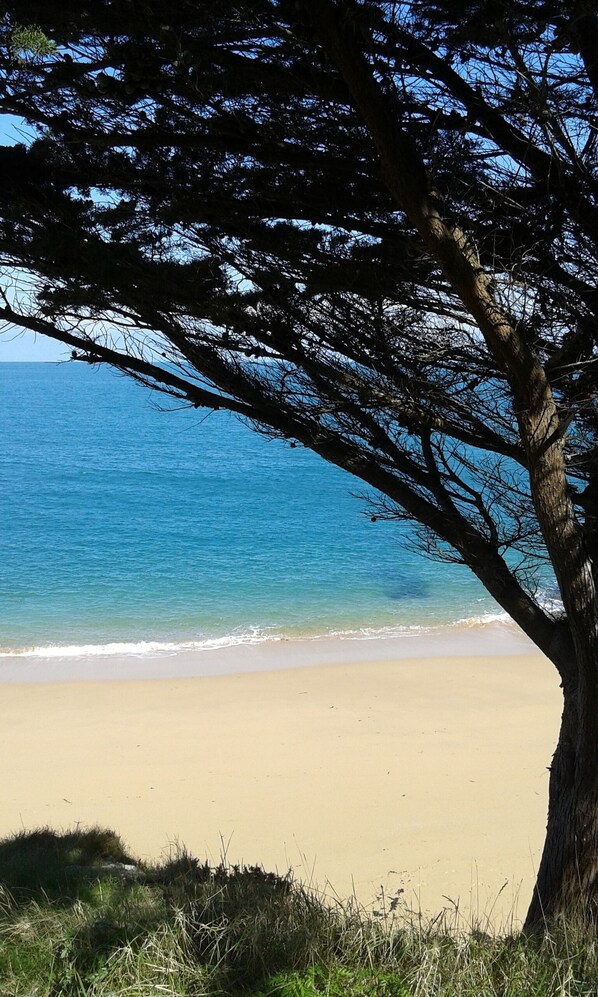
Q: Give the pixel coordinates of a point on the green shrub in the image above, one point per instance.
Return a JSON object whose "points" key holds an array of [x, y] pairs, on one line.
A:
{"points": [[46, 863]]}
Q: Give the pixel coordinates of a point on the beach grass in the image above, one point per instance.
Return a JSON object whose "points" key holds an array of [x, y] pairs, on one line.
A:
{"points": [[79, 916]]}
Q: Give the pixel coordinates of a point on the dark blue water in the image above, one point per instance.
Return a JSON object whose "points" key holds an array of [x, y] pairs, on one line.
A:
{"points": [[125, 524]]}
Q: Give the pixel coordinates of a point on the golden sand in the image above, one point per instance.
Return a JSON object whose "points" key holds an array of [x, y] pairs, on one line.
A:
{"points": [[427, 776]]}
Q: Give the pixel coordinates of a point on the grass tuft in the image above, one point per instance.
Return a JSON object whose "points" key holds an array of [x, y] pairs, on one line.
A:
{"points": [[47, 863], [72, 924]]}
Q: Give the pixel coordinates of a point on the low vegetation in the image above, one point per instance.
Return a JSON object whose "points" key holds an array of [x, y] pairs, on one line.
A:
{"points": [[79, 916]]}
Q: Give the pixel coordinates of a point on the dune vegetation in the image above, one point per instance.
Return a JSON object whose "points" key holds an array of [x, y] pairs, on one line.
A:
{"points": [[80, 916]]}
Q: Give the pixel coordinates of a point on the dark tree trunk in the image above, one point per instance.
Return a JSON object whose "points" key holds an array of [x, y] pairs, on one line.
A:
{"points": [[567, 882]]}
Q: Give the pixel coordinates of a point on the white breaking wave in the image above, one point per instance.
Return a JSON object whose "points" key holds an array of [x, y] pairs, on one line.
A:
{"points": [[142, 647], [481, 621], [371, 633], [257, 635], [417, 629], [550, 603]]}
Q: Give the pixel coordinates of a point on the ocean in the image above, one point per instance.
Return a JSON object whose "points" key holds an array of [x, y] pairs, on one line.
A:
{"points": [[130, 529]]}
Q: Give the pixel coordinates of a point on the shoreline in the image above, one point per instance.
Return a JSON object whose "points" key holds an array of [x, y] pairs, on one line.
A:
{"points": [[453, 640], [419, 777]]}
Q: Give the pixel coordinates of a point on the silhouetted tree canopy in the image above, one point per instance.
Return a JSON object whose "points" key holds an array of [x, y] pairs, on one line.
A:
{"points": [[371, 228]]}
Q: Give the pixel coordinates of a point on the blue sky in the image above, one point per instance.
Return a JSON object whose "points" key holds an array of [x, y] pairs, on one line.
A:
{"points": [[16, 345]]}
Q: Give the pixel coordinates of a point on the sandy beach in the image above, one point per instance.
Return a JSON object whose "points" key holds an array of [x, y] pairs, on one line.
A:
{"points": [[425, 775]]}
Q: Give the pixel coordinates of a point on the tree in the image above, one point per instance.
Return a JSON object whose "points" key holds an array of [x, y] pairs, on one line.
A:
{"points": [[369, 228]]}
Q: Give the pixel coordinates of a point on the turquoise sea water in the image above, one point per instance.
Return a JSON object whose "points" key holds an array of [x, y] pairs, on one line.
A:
{"points": [[123, 524]]}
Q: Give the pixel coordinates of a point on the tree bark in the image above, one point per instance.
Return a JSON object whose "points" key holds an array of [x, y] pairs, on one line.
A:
{"points": [[567, 881]]}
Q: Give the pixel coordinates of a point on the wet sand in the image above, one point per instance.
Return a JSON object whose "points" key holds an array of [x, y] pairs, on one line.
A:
{"points": [[426, 775]]}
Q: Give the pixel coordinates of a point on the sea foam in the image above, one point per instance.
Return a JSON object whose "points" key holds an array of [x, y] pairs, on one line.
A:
{"points": [[254, 636], [142, 647]]}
